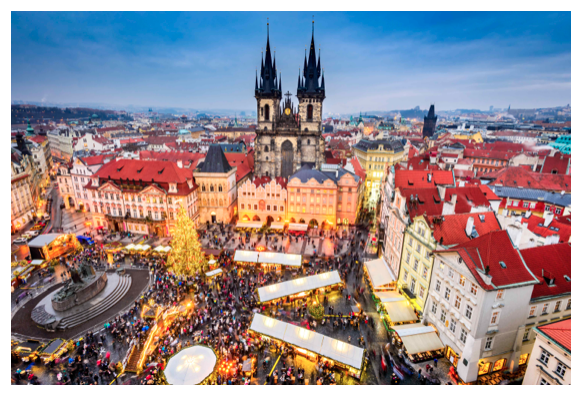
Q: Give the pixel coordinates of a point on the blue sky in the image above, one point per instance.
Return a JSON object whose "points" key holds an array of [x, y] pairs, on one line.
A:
{"points": [[372, 60]]}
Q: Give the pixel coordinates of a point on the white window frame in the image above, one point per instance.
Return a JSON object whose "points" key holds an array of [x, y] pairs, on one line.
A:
{"points": [[438, 284], [463, 335], [560, 369], [489, 343], [434, 307], [468, 312], [500, 294], [498, 317], [447, 293]]}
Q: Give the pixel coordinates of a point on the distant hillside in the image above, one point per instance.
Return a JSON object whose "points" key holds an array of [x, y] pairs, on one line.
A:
{"points": [[36, 114]]}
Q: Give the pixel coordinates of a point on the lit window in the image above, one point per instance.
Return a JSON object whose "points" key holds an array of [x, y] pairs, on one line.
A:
{"points": [[532, 311], [457, 302], [495, 318], [473, 289], [545, 309], [447, 293], [500, 294], [462, 280], [488, 343], [526, 334]]}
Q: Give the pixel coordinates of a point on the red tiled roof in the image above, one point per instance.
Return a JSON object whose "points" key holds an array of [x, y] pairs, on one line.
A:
{"points": [[490, 195], [102, 140], [517, 176], [464, 161], [259, 181], [133, 169], [422, 201], [452, 229], [95, 160], [20, 178], [358, 169], [489, 154], [419, 178], [110, 129], [550, 261], [160, 140], [556, 227], [460, 173], [489, 250], [242, 161], [189, 159], [449, 155], [38, 139], [559, 332], [558, 164], [421, 163]]}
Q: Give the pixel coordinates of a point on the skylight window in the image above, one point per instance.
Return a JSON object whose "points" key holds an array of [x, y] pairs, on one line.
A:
{"points": [[567, 278], [503, 265]]}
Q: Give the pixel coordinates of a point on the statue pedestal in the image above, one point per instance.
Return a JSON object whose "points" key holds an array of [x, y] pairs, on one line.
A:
{"points": [[82, 294]]}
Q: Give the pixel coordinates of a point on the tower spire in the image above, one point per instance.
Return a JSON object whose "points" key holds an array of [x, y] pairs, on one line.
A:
{"points": [[299, 79]]}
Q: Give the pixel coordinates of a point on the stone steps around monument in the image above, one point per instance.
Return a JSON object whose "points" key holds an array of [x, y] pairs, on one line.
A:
{"points": [[119, 292]]}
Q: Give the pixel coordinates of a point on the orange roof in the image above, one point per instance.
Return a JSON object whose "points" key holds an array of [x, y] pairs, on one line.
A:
{"points": [[559, 332]]}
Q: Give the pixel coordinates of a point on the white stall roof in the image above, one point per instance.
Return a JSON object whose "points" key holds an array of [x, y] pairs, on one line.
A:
{"points": [[298, 227], [277, 258], [245, 256], [412, 329], [131, 247], [37, 262], [400, 311], [389, 296], [268, 326], [304, 338], [42, 240], [342, 352], [276, 225], [191, 366], [249, 224], [323, 345], [418, 338], [292, 287], [378, 272], [214, 272]]}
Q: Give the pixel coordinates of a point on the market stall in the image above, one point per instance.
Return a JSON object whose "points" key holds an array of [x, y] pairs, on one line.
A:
{"points": [[52, 245], [421, 342], [275, 261], [299, 287], [379, 275], [312, 345], [246, 256], [54, 349], [213, 274], [249, 225], [277, 226], [297, 229], [399, 312]]}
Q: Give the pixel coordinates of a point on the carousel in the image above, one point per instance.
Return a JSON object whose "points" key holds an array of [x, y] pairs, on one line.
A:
{"points": [[191, 366]]}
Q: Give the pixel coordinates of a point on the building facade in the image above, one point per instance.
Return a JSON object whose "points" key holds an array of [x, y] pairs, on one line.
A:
{"points": [[286, 137], [262, 199], [22, 204]]}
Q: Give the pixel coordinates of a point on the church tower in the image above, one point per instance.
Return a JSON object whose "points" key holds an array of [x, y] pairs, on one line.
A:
{"points": [[429, 127], [311, 94]]}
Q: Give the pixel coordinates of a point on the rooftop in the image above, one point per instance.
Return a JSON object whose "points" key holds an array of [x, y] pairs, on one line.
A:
{"points": [[559, 332], [551, 264]]}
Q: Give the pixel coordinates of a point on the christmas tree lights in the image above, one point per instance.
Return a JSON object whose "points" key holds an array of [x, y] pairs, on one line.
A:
{"points": [[186, 257]]}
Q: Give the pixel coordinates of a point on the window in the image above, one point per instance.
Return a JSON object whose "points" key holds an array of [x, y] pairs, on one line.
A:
{"points": [[442, 315], [473, 289], [450, 272], [405, 275], [526, 204], [495, 318], [424, 271], [407, 257], [544, 382], [462, 280], [526, 334], [415, 267], [266, 115], [488, 343], [457, 302], [410, 242], [544, 357], [532, 311], [568, 305], [412, 285], [310, 112], [452, 325], [500, 294], [462, 336], [561, 369], [242, 206], [468, 312], [447, 293], [438, 283], [418, 248], [545, 309], [557, 306], [434, 307], [421, 292]]}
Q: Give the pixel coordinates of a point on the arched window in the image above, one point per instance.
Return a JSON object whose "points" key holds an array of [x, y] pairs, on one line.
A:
{"points": [[211, 187], [266, 149], [308, 141], [203, 188], [266, 116], [220, 188], [267, 158], [310, 115]]}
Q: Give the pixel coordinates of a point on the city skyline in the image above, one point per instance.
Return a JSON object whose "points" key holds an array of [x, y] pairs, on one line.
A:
{"points": [[373, 61]]}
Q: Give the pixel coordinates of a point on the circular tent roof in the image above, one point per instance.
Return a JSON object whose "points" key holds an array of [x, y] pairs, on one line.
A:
{"points": [[184, 131], [190, 366]]}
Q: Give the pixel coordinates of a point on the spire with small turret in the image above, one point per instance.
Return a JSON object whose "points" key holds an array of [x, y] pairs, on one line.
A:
{"points": [[268, 86]]}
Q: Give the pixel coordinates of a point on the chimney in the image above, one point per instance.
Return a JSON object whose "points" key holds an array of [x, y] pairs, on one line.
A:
{"points": [[180, 164], [469, 226], [548, 218], [429, 177]]}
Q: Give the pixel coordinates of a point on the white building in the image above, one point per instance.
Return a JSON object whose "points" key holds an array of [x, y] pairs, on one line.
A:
{"points": [[550, 361], [478, 300], [93, 142]]}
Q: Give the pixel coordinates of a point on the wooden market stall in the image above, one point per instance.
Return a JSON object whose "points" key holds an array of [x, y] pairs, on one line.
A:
{"points": [[300, 287], [379, 275], [421, 342]]}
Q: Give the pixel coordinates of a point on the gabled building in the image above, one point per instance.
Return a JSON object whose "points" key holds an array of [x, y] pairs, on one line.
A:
{"points": [[262, 199]]}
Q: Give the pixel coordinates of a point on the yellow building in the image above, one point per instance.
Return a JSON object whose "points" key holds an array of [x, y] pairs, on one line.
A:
{"points": [[416, 262], [476, 137], [375, 157]]}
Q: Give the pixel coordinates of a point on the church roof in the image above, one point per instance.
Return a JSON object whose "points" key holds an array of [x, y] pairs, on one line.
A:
{"points": [[215, 161]]}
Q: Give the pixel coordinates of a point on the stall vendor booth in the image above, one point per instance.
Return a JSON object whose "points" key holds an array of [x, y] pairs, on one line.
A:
{"points": [[245, 259], [53, 350], [248, 225], [277, 226], [270, 261], [300, 287], [27, 350], [421, 342], [398, 309], [379, 275], [311, 345], [213, 274], [52, 245], [297, 229]]}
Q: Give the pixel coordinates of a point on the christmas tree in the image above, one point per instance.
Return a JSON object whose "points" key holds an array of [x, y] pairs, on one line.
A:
{"points": [[186, 257]]}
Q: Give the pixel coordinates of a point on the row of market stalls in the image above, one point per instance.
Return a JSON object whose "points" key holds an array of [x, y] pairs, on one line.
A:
{"points": [[300, 287], [421, 342], [311, 345], [294, 228], [268, 260]]}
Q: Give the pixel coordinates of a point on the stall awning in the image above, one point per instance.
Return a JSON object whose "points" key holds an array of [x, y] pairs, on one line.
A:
{"points": [[323, 345], [37, 262], [42, 240], [277, 225], [293, 287], [276, 258], [400, 311], [379, 273], [389, 296], [249, 224], [298, 227], [131, 247], [418, 338], [214, 272], [268, 326], [245, 256], [342, 352]]}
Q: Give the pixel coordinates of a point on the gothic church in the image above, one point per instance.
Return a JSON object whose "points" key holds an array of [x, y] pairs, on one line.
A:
{"points": [[288, 138]]}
